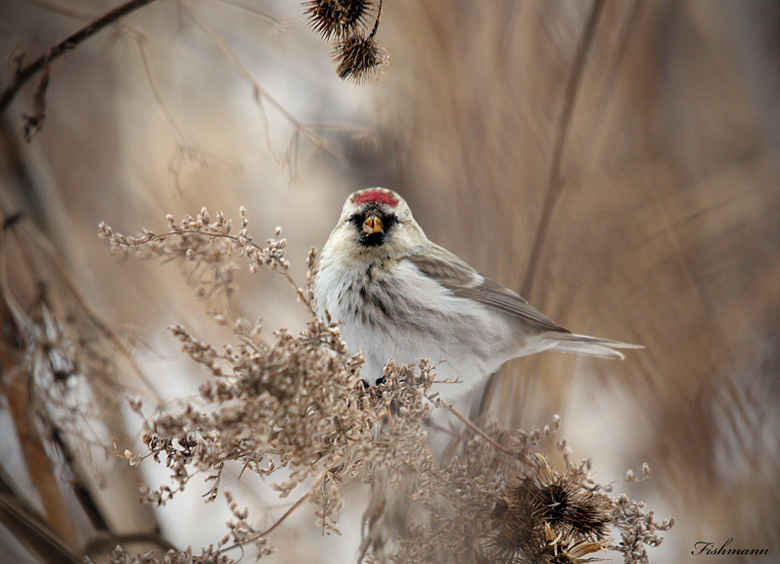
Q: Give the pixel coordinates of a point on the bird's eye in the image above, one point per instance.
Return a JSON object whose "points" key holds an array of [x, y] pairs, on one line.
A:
{"points": [[355, 218]]}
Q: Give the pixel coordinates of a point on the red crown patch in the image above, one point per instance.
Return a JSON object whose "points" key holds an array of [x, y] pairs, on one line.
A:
{"points": [[376, 196]]}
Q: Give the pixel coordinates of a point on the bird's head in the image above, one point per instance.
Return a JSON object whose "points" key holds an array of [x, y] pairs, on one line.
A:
{"points": [[375, 222]]}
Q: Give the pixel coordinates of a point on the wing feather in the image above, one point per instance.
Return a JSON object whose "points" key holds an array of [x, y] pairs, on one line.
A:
{"points": [[463, 281]]}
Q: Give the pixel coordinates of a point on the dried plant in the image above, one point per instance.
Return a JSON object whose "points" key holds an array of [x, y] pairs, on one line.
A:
{"points": [[352, 20], [63, 377], [357, 55], [359, 58], [42, 64], [340, 18], [296, 402]]}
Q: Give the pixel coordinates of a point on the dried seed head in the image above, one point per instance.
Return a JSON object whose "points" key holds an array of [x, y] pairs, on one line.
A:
{"points": [[549, 502], [517, 532], [561, 549], [548, 516], [339, 18], [356, 13], [359, 58], [588, 514], [324, 16]]}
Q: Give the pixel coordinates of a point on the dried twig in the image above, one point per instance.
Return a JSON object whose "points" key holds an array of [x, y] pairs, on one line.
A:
{"points": [[479, 431], [33, 123], [283, 518], [26, 73], [259, 92]]}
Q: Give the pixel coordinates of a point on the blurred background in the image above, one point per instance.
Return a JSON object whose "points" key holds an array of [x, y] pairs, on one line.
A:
{"points": [[616, 162]]}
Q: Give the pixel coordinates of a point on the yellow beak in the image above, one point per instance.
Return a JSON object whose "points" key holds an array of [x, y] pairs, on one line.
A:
{"points": [[372, 225]]}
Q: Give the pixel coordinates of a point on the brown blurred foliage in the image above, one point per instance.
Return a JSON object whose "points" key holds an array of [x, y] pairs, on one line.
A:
{"points": [[647, 134], [616, 161]]}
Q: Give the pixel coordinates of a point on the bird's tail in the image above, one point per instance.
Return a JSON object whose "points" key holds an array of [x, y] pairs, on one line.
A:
{"points": [[591, 346]]}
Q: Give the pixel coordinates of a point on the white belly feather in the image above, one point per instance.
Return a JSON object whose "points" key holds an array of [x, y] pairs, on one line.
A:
{"points": [[395, 312]]}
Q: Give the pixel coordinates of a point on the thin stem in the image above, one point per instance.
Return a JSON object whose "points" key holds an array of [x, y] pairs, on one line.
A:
{"points": [[24, 74], [259, 92], [281, 519], [556, 182], [376, 22], [479, 431]]}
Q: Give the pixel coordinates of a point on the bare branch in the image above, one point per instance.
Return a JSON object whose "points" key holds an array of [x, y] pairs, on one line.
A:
{"points": [[26, 73]]}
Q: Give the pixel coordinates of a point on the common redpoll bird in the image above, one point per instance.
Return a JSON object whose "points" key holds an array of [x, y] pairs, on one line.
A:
{"points": [[399, 296]]}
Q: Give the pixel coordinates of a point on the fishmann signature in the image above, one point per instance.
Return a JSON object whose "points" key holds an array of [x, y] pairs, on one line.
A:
{"points": [[711, 549]]}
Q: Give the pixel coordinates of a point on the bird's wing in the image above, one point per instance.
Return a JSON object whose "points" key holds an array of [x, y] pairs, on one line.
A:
{"points": [[463, 281]]}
